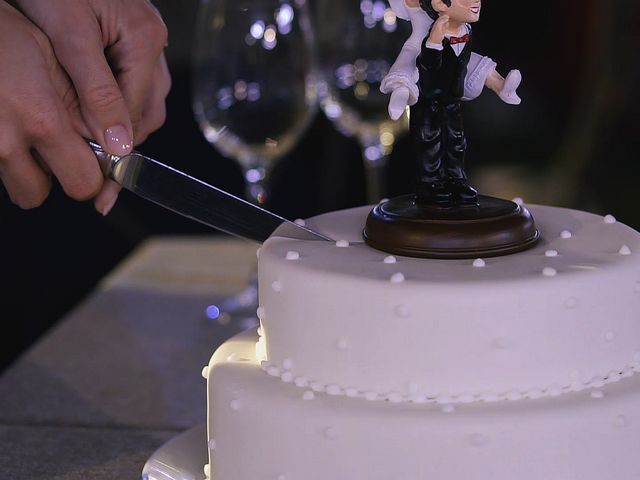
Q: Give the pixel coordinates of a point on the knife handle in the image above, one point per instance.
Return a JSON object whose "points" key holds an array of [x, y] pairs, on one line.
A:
{"points": [[106, 160]]}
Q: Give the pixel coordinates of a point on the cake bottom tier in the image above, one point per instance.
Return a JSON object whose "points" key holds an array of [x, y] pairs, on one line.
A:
{"points": [[262, 428]]}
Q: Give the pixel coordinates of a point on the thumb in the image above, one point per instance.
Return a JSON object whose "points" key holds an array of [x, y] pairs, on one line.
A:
{"points": [[102, 103]]}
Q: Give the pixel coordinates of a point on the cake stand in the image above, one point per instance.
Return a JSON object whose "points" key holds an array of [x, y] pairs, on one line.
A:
{"points": [[181, 458]]}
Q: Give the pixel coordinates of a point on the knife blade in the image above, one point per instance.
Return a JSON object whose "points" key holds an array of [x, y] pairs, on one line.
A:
{"points": [[197, 200]]}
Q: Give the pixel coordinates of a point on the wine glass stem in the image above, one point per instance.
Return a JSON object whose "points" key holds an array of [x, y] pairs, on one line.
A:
{"points": [[375, 171], [256, 185]]}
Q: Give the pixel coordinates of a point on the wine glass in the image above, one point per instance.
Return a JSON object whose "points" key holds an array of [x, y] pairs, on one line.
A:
{"points": [[254, 94], [358, 41]]}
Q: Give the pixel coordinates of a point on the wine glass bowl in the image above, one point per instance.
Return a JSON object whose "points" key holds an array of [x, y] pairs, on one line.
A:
{"points": [[253, 82], [254, 94], [358, 41]]}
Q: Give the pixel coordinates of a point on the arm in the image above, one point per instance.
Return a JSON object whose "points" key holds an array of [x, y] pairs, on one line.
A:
{"points": [[481, 72]]}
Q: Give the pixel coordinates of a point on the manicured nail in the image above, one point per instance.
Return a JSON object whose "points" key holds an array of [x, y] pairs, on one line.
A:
{"points": [[108, 206], [117, 140]]}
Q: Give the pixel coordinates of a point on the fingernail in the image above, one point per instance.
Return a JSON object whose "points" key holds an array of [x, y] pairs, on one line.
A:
{"points": [[108, 206], [117, 140]]}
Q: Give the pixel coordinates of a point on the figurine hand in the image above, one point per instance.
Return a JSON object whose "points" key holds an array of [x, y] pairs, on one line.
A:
{"points": [[508, 93], [438, 29], [398, 102]]}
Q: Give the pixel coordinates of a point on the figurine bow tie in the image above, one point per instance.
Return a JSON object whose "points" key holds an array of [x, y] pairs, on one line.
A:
{"points": [[462, 39]]}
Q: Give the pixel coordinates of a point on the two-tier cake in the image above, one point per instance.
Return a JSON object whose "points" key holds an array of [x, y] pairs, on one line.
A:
{"points": [[370, 366]]}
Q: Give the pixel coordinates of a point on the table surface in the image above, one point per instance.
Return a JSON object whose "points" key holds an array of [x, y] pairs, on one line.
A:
{"points": [[121, 374]]}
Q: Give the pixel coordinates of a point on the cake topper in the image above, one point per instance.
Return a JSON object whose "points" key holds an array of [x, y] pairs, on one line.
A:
{"points": [[434, 72]]}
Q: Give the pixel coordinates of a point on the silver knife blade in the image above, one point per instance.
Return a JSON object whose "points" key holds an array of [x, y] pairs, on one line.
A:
{"points": [[197, 200]]}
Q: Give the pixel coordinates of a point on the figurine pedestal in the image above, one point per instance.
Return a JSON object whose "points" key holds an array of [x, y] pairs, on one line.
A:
{"points": [[496, 227]]}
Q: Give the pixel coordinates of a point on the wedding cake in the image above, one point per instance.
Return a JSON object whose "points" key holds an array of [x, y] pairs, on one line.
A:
{"points": [[368, 366]]}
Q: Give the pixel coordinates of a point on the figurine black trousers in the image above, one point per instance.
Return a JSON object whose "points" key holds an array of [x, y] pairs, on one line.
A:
{"points": [[439, 140]]}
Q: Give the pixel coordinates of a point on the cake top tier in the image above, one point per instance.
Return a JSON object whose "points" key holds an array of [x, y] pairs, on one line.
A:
{"points": [[554, 318]]}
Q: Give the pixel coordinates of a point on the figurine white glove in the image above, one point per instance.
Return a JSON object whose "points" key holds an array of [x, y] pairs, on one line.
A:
{"points": [[511, 83], [398, 102]]}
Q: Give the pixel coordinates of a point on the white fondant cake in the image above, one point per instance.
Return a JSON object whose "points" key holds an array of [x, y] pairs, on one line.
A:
{"points": [[369, 366]]}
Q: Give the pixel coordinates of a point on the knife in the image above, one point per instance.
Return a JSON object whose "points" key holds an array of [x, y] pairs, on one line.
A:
{"points": [[197, 200]]}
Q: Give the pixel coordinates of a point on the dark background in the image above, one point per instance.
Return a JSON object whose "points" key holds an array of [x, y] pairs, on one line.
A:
{"points": [[573, 142]]}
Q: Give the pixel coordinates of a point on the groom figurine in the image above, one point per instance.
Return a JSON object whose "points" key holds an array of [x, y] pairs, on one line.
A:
{"points": [[435, 70]]}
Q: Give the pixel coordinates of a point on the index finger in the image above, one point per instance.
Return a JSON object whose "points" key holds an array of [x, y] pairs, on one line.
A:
{"points": [[103, 106]]}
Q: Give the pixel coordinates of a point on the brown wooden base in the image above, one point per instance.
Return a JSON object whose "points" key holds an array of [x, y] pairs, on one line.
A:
{"points": [[402, 226]]}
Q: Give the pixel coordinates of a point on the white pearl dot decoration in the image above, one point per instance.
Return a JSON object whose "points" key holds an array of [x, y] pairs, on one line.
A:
{"points": [[479, 263], [371, 396], [609, 219], [260, 313], [551, 253], [549, 272], [624, 250], [466, 398], [501, 343], [293, 255], [535, 394], [597, 394], [330, 433], [205, 372], [300, 221], [397, 278], [276, 286], [287, 364], [554, 390], [207, 470], [478, 440], [317, 387], [342, 343], [287, 377], [273, 371], [419, 398], [342, 244], [402, 311], [390, 259], [308, 395], [301, 382], [518, 201], [609, 336], [566, 234], [571, 303], [620, 421], [351, 392], [395, 397], [235, 405], [211, 444], [448, 408], [334, 390]]}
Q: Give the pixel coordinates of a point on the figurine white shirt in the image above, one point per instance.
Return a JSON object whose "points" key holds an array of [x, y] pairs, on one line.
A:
{"points": [[402, 79]]}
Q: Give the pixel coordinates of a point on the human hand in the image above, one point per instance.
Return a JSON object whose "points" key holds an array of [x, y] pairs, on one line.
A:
{"points": [[439, 29], [112, 51], [41, 126]]}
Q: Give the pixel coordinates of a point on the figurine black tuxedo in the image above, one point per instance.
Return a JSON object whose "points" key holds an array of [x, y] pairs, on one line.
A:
{"points": [[435, 71]]}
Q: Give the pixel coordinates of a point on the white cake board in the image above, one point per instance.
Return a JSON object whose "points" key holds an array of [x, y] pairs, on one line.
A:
{"points": [[181, 458]]}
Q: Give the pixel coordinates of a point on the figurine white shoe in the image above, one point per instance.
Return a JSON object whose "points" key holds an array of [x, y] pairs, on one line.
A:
{"points": [[511, 83]]}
